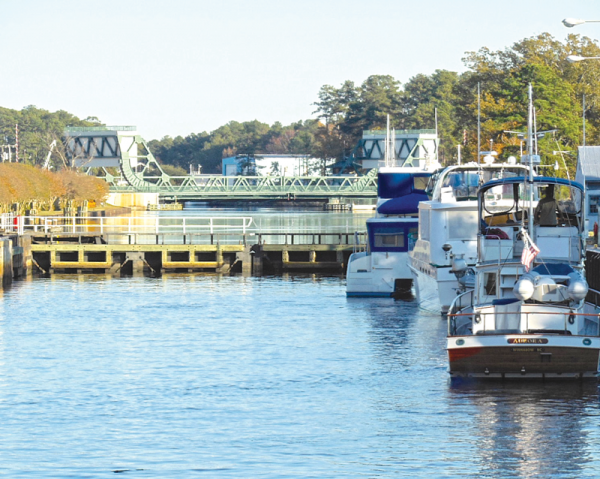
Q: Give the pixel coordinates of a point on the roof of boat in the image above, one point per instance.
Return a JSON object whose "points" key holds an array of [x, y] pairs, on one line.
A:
{"points": [[588, 162], [472, 164], [536, 179]]}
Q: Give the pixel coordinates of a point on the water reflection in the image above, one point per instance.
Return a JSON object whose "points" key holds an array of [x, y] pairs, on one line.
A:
{"points": [[531, 429]]}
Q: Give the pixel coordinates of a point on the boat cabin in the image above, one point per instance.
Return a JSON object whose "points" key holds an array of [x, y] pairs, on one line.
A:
{"points": [[558, 234]]}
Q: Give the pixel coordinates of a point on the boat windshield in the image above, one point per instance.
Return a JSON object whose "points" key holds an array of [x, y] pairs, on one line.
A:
{"points": [[553, 204], [464, 182]]}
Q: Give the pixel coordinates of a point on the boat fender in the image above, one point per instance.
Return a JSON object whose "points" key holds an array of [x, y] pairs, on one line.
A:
{"points": [[578, 287], [459, 265], [525, 287]]}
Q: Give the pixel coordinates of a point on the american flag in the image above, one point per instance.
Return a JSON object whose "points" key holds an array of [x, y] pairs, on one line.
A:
{"points": [[530, 251]]}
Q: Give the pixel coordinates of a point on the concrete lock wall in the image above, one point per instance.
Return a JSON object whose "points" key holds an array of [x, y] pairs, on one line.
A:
{"points": [[6, 266]]}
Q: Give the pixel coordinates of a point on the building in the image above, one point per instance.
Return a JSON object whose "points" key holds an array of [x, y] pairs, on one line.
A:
{"points": [[271, 165], [588, 174]]}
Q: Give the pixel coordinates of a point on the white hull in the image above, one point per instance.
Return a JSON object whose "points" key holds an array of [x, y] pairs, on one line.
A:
{"points": [[376, 274], [435, 288], [544, 356]]}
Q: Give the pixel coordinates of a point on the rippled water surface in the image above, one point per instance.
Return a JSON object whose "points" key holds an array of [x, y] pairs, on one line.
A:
{"points": [[207, 376]]}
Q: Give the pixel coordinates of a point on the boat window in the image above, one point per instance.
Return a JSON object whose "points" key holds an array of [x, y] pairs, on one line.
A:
{"points": [[553, 204], [489, 283], [497, 174], [501, 199], [420, 182], [462, 224], [389, 237], [424, 224], [559, 205], [464, 184], [431, 183], [594, 201], [413, 236]]}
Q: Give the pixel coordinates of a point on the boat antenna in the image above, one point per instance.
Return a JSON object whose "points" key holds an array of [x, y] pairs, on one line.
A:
{"points": [[584, 119], [437, 148], [387, 141], [478, 121], [390, 145]]}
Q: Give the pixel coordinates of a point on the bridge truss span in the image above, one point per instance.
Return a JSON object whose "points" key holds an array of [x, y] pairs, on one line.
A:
{"points": [[109, 148]]}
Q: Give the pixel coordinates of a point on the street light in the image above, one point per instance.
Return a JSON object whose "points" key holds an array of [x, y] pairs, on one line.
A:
{"points": [[577, 58], [573, 22]]}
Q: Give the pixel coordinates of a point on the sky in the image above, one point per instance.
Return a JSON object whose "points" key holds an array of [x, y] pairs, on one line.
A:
{"points": [[179, 67]]}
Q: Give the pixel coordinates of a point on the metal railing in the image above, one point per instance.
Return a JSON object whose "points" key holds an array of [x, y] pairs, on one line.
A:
{"points": [[77, 129], [125, 225], [176, 230], [478, 317]]}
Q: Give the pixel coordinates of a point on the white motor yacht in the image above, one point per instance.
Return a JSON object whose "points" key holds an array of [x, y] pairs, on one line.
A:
{"points": [[382, 269], [448, 226]]}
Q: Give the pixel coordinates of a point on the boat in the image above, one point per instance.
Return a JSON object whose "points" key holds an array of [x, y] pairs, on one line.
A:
{"points": [[527, 315], [382, 268], [445, 252]]}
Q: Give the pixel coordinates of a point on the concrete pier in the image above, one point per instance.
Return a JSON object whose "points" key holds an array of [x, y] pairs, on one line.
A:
{"points": [[16, 259], [91, 253]]}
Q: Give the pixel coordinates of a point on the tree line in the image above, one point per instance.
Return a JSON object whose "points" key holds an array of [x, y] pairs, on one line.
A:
{"points": [[343, 112], [26, 187]]}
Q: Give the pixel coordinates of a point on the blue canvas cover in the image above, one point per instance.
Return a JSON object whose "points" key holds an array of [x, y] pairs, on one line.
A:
{"points": [[395, 185], [404, 205]]}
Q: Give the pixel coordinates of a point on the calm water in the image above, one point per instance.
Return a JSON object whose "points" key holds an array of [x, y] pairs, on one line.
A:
{"points": [[207, 376]]}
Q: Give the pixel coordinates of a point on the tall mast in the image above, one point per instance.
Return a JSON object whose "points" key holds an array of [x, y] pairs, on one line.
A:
{"points": [[530, 153]]}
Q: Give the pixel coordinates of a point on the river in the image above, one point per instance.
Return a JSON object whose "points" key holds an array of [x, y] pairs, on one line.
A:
{"points": [[197, 375]]}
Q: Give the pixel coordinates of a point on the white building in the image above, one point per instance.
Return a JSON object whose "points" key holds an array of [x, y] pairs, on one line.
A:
{"points": [[588, 174], [271, 165]]}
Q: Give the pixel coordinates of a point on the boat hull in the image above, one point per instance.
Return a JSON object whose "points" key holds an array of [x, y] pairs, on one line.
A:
{"points": [[378, 274], [524, 356], [435, 288]]}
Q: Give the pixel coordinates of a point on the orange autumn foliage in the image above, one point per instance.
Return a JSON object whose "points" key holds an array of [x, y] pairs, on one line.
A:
{"points": [[25, 184]]}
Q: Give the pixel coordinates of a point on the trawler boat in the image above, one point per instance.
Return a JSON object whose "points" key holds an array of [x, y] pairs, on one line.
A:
{"points": [[442, 259], [526, 316], [382, 269]]}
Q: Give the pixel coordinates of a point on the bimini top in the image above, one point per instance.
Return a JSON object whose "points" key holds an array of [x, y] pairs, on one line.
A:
{"points": [[536, 179], [405, 188]]}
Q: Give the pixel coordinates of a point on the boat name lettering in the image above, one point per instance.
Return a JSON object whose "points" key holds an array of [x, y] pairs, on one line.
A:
{"points": [[527, 350], [527, 341]]}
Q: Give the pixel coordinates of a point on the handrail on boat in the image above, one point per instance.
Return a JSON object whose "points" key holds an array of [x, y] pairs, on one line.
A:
{"points": [[568, 316], [458, 305]]}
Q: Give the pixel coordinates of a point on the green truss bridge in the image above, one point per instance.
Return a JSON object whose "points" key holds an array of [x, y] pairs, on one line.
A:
{"points": [[211, 187], [119, 148]]}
